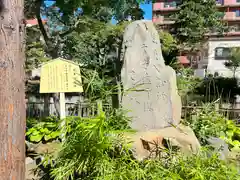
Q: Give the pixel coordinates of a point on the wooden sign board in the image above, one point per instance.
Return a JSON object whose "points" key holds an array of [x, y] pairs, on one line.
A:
{"points": [[60, 75]]}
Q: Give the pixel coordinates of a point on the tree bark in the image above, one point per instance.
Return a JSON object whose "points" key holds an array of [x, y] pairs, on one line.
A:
{"points": [[12, 91]]}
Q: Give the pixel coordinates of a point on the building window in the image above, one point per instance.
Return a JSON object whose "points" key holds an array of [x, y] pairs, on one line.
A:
{"points": [[222, 53], [172, 3], [237, 12], [219, 2]]}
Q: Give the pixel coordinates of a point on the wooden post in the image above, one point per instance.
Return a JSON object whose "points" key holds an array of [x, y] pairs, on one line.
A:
{"points": [[99, 107], [12, 91], [62, 106], [62, 112]]}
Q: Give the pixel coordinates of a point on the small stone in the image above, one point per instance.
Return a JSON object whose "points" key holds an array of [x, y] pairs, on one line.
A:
{"points": [[29, 160]]}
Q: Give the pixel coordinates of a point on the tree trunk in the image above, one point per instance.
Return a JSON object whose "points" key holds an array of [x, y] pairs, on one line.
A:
{"points": [[12, 91]]}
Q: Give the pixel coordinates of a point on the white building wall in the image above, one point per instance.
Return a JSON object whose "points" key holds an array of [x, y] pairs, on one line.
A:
{"points": [[215, 65]]}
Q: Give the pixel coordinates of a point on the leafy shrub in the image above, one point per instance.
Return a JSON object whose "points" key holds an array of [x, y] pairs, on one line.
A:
{"points": [[85, 148], [186, 83], [207, 122], [232, 136], [195, 167], [93, 151], [118, 120], [30, 122], [46, 130], [213, 88]]}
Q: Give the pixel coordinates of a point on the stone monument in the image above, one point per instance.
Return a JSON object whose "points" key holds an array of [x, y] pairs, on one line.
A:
{"points": [[150, 90], [150, 94]]}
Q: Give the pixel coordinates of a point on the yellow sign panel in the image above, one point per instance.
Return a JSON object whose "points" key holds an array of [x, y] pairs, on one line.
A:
{"points": [[60, 75]]}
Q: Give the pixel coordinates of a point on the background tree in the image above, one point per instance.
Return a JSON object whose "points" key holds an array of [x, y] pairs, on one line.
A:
{"points": [[68, 22], [234, 61], [169, 48], [195, 19], [12, 98]]}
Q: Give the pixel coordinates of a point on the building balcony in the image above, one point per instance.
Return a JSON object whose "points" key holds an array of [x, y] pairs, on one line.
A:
{"points": [[228, 2], [227, 16], [162, 21], [165, 6], [173, 4], [231, 16]]}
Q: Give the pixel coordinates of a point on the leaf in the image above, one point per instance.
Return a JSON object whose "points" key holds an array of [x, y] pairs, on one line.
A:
{"points": [[55, 134], [52, 135], [36, 138], [30, 131], [45, 131], [230, 134], [35, 132], [236, 143], [47, 137]]}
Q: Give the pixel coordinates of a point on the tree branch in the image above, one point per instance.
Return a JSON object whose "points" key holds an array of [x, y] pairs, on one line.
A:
{"points": [[39, 19], [70, 29]]}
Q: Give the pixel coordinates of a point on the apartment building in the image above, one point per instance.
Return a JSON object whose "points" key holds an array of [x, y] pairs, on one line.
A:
{"points": [[216, 51]]}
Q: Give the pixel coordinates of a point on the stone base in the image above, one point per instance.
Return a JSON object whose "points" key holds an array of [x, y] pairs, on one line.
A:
{"points": [[145, 143]]}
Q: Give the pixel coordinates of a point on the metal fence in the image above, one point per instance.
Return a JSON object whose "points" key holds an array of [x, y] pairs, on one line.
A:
{"points": [[36, 109]]}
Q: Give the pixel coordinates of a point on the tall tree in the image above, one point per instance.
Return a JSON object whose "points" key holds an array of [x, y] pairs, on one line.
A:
{"points": [[195, 19], [234, 60], [12, 98], [169, 47], [66, 19]]}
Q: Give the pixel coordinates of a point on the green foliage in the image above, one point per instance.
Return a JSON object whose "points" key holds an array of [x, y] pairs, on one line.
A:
{"points": [[186, 81], [85, 149], [195, 19], [207, 123], [96, 87], [234, 61], [97, 48], [117, 120], [232, 136], [169, 47], [35, 49], [214, 88], [45, 131], [74, 20], [31, 122], [93, 151], [195, 167]]}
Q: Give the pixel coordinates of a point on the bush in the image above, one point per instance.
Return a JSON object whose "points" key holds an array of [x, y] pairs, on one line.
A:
{"points": [[206, 123], [93, 151], [45, 130], [209, 123], [117, 120], [213, 88]]}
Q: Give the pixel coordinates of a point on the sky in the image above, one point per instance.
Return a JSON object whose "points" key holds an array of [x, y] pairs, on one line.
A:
{"points": [[147, 8]]}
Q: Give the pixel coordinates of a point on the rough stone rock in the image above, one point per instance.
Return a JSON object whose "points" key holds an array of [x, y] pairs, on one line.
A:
{"points": [[220, 146], [35, 150], [30, 166], [150, 91], [181, 138]]}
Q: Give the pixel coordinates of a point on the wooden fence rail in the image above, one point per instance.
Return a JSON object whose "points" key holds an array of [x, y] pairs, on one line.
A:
{"points": [[230, 113], [36, 110]]}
